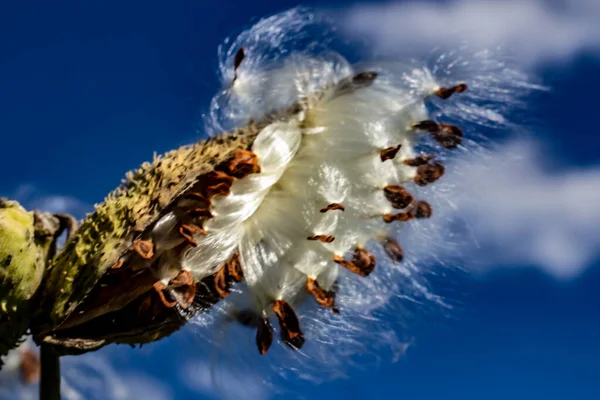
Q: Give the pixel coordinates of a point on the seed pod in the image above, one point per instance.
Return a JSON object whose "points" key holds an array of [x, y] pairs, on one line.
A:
{"points": [[26, 241], [251, 204], [116, 229]]}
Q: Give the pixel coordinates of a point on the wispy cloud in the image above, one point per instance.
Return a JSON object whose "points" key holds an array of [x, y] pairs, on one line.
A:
{"points": [[514, 210], [223, 382], [33, 198], [89, 376], [536, 31]]}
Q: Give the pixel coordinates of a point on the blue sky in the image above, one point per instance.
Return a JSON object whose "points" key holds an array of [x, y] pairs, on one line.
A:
{"points": [[89, 92]]}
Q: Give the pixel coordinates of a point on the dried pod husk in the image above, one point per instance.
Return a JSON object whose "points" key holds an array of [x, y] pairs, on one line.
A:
{"points": [[97, 272]]}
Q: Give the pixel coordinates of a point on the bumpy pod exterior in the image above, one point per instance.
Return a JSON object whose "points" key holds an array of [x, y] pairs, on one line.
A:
{"points": [[108, 234]]}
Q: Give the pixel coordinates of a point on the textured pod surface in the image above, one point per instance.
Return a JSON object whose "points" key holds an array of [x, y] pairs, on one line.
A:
{"points": [[110, 231]]}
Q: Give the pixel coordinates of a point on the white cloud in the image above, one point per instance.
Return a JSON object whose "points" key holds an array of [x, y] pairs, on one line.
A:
{"points": [[89, 376], [535, 30], [223, 382], [32, 198], [516, 211]]}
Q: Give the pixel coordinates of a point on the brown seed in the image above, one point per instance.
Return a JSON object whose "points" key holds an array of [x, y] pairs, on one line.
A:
{"points": [[365, 78], [220, 189], [323, 297], [349, 265], [333, 206], [403, 217], [243, 163], [145, 248], [186, 293], [195, 200], [449, 136], [429, 173], [418, 161], [199, 213], [445, 93], [427, 125], [237, 61], [234, 268], [221, 282], [361, 80], [364, 260], [398, 196], [389, 153], [393, 250], [322, 238], [216, 183], [160, 288], [264, 336], [188, 231], [184, 277], [289, 324], [423, 210]]}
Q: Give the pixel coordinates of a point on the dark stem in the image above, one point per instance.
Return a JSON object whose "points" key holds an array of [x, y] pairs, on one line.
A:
{"points": [[50, 363], [50, 376]]}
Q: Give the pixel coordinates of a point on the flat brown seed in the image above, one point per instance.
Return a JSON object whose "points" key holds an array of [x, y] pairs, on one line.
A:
{"points": [[449, 137], [364, 78], [216, 183], [423, 210], [350, 266], [398, 196], [291, 333], [389, 153], [160, 288], [429, 173], [195, 200], [145, 248], [117, 265], [427, 125], [322, 238], [220, 189], [234, 268], [186, 295], [418, 161], [188, 231], [323, 298], [333, 206], [199, 213], [445, 93], [364, 260], [393, 250], [221, 284], [184, 277], [264, 336], [403, 217], [243, 163]]}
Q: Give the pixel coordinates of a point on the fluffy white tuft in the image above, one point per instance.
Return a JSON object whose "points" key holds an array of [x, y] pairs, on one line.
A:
{"points": [[349, 143]]}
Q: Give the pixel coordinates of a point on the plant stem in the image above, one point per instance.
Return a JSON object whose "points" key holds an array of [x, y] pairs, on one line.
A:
{"points": [[50, 373]]}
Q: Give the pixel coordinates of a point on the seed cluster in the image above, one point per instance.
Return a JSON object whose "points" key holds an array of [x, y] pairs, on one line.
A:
{"points": [[284, 204]]}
